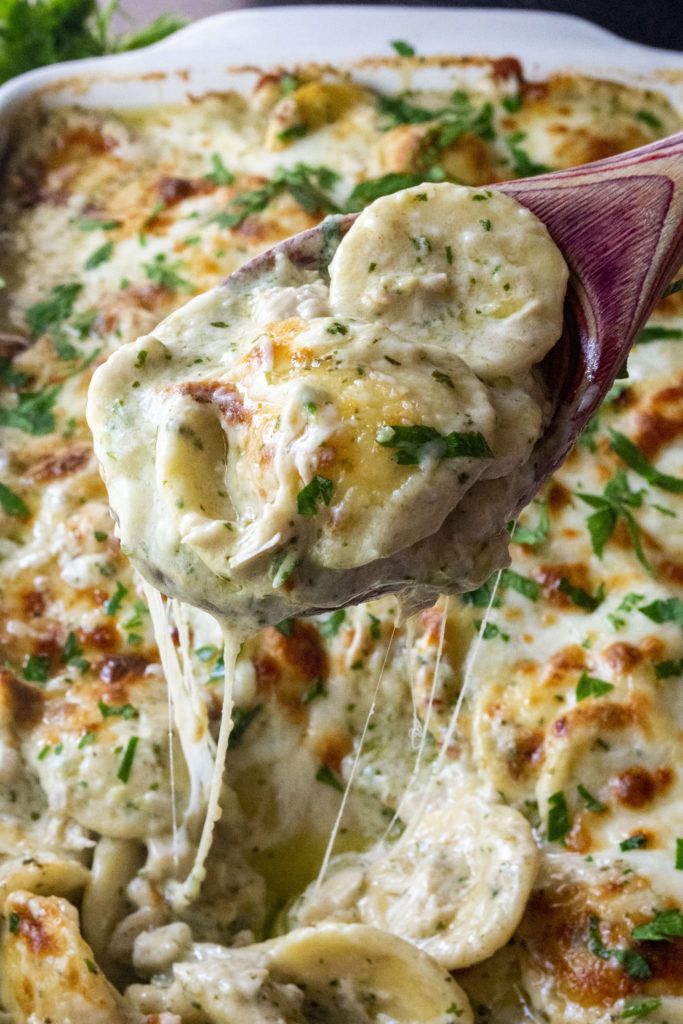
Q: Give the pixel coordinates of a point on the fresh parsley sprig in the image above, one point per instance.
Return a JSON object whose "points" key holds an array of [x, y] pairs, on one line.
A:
{"points": [[33, 34]]}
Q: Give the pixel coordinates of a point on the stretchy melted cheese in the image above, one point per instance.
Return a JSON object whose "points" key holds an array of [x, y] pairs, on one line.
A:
{"points": [[279, 445]]}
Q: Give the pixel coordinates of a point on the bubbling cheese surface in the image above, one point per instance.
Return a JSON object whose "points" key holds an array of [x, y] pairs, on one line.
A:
{"points": [[283, 445]]}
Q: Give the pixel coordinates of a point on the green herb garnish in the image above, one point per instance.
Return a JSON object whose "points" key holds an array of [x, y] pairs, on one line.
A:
{"points": [[559, 823], [112, 605], [99, 256], [402, 48], [635, 842], [12, 504], [415, 443], [125, 711], [241, 720], [631, 454], [665, 925], [219, 175], [126, 765], [328, 778], [332, 624], [592, 804], [633, 963], [36, 668], [589, 686], [319, 488]]}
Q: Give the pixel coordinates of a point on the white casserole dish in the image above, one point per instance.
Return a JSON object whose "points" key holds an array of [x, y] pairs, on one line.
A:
{"points": [[226, 50]]}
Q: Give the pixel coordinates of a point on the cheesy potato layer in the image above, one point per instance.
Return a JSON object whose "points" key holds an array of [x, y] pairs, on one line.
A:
{"points": [[532, 849], [274, 434]]}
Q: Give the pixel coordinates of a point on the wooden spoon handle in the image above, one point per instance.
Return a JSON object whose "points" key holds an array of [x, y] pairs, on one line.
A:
{"points": [[619, 224]]}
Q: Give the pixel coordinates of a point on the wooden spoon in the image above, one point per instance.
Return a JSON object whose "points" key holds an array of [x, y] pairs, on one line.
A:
{"points": [[619, 225]]}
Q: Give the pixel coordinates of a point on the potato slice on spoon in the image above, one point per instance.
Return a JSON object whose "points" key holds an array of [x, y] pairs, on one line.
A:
{"points": [[361, 409]]}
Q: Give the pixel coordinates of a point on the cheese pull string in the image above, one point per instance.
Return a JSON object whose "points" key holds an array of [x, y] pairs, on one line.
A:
{"points": [[438, 765], [342, 807], [425, 725]]}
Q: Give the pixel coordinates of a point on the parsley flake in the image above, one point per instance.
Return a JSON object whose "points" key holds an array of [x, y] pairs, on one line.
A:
{"points": [[319, 488]]}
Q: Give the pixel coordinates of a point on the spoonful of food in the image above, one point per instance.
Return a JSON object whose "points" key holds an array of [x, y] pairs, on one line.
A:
{"points": [[361, 409]]}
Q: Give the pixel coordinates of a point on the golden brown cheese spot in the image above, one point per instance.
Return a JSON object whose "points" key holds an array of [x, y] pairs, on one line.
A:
{"points": [[661, 421], [61, 464], [607, 715], [556, 930], [116, 668], [526, 753], [637, 786], [24, 702], [563, 664], [622, 657], [225, 397], [171, 190], [286, 666], [409, 149], [580, 145], [550, 577], [331, 747]]}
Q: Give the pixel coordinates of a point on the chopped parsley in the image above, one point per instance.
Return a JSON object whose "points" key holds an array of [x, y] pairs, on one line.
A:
{"points": [[614, 503], [669, 609], [295, 131], [589, 686], [559, 824], [332, 624], [140, 359], [328, 778], [241, 720], [415, 443], [633, 963], [522, 584], [650, 119], [99, 256], [375, 626], [631, 454], [491, 631], [665, 925], [316, 689], [96, 224], [580, 597], [126, 765], [219, 175], [373, 188], [286, 627], [678, 860], [522, 164], [668, 669], [653, 332], [481, 597], [308, 186], [125, 711], [319, 488], [51, 312], [637, 841], [114, 603], [402, 48], [591, 802], [32, 412], [12, 504], [512, 103], [626, 605], [536, 534], [166, 274], [337, 328], [636, 1009], [36, 668], [13, 921]]}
